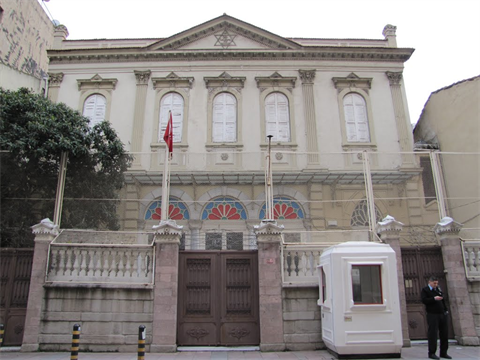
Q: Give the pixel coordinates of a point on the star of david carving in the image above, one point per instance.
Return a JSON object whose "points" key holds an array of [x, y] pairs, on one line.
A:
{"points": [[225, 40]]}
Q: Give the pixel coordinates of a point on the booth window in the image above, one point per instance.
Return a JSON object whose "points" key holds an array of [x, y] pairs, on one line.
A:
{"points": [[367, 284]]}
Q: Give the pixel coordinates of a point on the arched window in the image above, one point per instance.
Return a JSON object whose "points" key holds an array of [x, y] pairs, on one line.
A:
{"points": [[360, 214], [171, 102], [224, 208], [224, 122], [277, 117], [177, 210], [356, 120], [284, 208], [94, 108]]}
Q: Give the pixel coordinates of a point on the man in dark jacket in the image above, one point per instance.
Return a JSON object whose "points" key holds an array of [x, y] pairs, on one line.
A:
{"points": [[437, 314]]}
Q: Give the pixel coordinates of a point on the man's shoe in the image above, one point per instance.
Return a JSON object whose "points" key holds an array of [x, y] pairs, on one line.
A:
{"points": [[445, 356], [433, 356]]}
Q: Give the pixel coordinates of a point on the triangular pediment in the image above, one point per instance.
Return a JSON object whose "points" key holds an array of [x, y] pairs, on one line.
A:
{"points": [[224, 33]]}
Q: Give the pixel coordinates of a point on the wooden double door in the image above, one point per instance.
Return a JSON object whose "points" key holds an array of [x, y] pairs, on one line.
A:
{"points": [[418, 265], [218, 298]]}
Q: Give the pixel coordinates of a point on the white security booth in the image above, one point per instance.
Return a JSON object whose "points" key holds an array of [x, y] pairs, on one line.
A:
{"points": [[359, 300]]}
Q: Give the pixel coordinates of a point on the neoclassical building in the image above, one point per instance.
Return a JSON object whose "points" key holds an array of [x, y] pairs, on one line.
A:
{"points": [[330, 115], [229, 85]]}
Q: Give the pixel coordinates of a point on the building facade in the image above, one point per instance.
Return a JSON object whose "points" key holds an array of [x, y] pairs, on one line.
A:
{"points": [[26, 35], [331, 117]]}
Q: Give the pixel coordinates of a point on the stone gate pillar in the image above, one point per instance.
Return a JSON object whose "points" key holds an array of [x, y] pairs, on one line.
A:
{"points": [[165, 293], [45, 233], [389, 230], [270, 286], [447, 232]]}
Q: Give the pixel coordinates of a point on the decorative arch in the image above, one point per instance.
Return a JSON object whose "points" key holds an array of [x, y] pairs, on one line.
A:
{"points": [[178, 194], [359, 215], [177, 210], [284, 208], [224, 208], [287, 192]]}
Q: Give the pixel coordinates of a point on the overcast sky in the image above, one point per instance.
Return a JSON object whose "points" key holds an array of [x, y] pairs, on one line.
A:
{"points": [[444, 33]]}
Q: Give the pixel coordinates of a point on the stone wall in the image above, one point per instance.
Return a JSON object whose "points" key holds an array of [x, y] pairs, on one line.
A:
{"points": [[109, 318], [301, 319], [474, 291]]}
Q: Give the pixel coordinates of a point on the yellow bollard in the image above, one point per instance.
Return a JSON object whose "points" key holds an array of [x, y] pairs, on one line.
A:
{"points": [[75, 342], [2, 331], [141, 342]]}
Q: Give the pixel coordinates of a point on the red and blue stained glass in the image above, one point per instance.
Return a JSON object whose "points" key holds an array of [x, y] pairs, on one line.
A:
{"points": [[284, 209], [224, 208], [177, 210]]}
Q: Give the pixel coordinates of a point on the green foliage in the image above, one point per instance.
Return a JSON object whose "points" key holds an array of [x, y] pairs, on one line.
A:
{"points": [[33, 134]]}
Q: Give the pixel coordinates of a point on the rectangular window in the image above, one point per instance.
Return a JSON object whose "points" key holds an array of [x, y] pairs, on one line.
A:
{"points": [[367, 284], [213, 241], [235, 241], [427, 179]]}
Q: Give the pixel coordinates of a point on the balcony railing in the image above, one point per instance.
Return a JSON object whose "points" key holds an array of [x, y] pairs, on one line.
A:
{"points": [[299, 264]]}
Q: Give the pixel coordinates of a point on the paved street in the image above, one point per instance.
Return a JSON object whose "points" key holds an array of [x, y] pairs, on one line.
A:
{"points": [[417, 351]]}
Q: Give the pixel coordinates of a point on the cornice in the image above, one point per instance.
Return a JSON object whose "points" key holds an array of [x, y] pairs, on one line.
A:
{"points": [[324, 53], [172, 80], [352, 81], [97, 82], [224, 80], [275, 80]]}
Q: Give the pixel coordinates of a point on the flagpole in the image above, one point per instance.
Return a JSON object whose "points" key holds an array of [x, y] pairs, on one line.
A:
{"points": [[168, 137], [165, 185], [269, 183]]}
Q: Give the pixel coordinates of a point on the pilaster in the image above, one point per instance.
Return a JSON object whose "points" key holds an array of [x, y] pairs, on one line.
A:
{"points": [[45, 233], [142, 78], [270, 286], [389, 231], [405, 136], [307, 77], [54, 83], [447, 232], [165, 293]]}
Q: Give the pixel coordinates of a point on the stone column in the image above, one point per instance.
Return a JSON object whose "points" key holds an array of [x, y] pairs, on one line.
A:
{"points": [[139, 115], [165, 293], [195, 227], [307, 77], [54, 82], [447, 232], [270, 286], [389, 230], [404, 129], [45, 233]]}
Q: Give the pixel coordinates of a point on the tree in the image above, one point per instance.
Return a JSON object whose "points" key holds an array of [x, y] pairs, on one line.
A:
{"points": [[33, 134]]}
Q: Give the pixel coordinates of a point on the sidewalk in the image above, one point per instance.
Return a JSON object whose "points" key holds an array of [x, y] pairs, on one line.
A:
{"points": [[417, 351]]}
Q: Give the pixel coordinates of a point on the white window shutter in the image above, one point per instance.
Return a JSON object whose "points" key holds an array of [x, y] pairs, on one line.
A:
{"points": [[94, 108], [356, 120], [224, 121], [277, 117], [171, 102]]}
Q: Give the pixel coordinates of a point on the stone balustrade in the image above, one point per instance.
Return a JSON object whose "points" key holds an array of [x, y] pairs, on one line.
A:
{"points": [[300, 264], [471, 258], [75, 261]]}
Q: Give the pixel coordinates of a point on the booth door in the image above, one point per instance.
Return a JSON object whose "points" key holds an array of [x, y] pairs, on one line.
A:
{"points": [[418, 265], [218, 298]]}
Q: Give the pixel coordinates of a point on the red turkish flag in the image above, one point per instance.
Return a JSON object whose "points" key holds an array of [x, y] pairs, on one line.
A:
{"points": [[168, 136]]}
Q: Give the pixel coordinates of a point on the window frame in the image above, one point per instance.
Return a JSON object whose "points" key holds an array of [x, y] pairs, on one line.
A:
{"points": [[356, 121], [224, 120], [277, 107], [92, 121], [380, 262], [161, 129], [212, 95], [263, 118]]}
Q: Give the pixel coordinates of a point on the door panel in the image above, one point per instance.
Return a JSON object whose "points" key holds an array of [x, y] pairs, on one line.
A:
{"points": [[218, 298]]}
